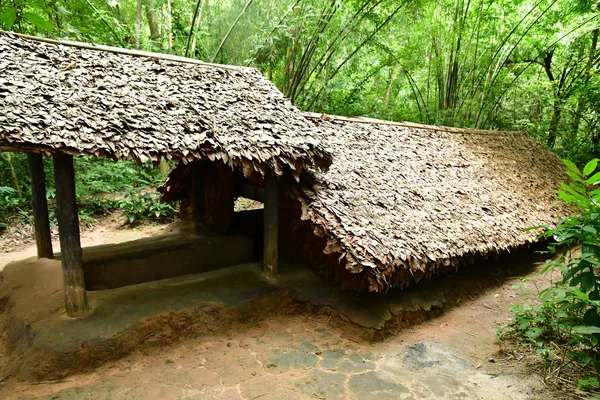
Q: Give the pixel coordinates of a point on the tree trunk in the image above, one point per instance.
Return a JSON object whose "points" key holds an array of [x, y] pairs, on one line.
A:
{"points": [[199, 3], [13, 176], [556, 107], [553, 128], [170, 24], [138, 24], [580, 101], [198, 22], [164, 166], [248, 2], [152, 20], [388, 89]]}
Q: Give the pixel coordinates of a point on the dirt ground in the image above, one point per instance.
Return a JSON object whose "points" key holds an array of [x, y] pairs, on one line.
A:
{"points": [[303, 354]]}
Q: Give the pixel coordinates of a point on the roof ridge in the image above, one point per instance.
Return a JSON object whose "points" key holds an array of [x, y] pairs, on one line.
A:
{"points": [[406, 124], [130, 52]]}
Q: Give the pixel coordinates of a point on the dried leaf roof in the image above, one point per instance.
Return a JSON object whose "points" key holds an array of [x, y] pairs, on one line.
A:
{"points": [[90, 100], [400, 202]]}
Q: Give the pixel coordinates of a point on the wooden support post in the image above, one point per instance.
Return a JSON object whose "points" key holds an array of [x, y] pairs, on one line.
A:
{"points": [[198, 197], [271, 226], [70, 246], [43, 239], [218, 197]]}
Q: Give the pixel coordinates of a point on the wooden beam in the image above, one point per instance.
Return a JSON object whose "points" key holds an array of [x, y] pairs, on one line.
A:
{"points": [[271, 226], [199, 211], [43, 238], [406, 124], [76, 302]]}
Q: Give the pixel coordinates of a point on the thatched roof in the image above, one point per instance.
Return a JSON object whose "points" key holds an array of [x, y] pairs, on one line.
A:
{"points": [[402, 202], [99, 101]]}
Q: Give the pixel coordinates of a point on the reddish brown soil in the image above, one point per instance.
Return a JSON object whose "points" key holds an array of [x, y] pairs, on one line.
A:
{"points": [[303, 353]]}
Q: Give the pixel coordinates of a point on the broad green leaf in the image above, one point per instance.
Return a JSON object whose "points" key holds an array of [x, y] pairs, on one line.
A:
{"points": [[38, 21], [8, 17], [566, 197], [575, 176], [572, 166], [586, 330], [534, 333], [593, 179], [590, 167], [581, 295], [572, 191]]}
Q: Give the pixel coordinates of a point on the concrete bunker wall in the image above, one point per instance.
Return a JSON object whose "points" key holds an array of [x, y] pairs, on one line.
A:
{"points": [[162, 257]]}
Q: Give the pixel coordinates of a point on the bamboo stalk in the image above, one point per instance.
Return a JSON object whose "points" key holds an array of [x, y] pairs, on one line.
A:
{"points": [[248, 2], [170, 24]]}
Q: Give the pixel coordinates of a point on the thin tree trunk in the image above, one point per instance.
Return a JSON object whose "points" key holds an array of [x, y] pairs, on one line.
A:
{"points": [[169, 24], [388, 89], [152, 20], [13, 176], [230, 30], [349, 57], [580, 101], [138, 24], [187, 47], [362, 82], [553, 128], [198, 22], [556, 105]]}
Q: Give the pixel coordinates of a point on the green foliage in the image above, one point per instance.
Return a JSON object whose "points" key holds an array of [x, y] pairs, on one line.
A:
{"points": [[522, 65], [139, 206], [100, 186], [568, 313]]}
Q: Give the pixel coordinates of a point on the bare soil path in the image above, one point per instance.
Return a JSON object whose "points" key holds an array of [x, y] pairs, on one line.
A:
{"points": [[302, 354]]}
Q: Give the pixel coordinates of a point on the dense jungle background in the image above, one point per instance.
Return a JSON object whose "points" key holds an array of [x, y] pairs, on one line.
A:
{"points": [[528, 65]]}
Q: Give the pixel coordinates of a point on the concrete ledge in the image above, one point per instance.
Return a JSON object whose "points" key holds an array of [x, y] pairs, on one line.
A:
{"points": [[150, 259]]}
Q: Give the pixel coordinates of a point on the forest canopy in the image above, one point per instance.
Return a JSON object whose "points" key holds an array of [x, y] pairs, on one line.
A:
{"points": [[518, 65]]}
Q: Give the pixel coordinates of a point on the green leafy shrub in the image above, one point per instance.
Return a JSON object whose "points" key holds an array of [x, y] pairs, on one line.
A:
{"points": [[99, 184], [138, 206], [565, 327]]}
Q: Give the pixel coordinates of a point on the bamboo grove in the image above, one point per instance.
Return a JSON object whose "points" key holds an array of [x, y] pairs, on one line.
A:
{"points": [[519, 65]]}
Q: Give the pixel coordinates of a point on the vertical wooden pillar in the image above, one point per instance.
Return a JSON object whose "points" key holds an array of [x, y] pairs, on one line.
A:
{"points": [[218, 197], [198, 197], [43, 239], [271, 226], [70, 245]]}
